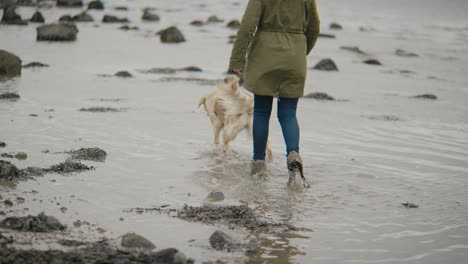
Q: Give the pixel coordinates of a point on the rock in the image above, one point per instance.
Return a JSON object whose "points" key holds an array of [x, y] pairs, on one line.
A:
{"points": [[9, 97], [10, 17], [2, 144], [159, 71], [70, 243], [114, 19], [402, 53], [94, 154], [148, 16], [171, 35], [10, 66], [69, 166], [96, 5], [21, 156], [66, 18], [34, 171], [234, 24], [39, 223], [353, 49], [127, 27], [35, 64], [425, 96], [57, 32], [320, 96], [191, 69], [197, 23], [123, 74], [102, 109], [215, 197], [8, 171], [170, 256], [8, 203], [132, 240], [324, 35], [221, 241], [372, 62], [410, 205], [70, 3], [37, 18], [121, 8], [83, 17], [214, 19], [326, 65], [336, 26]]}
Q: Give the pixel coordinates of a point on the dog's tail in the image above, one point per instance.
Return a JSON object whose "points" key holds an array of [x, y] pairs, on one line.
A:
{"points": [[269, 152], [202, 101]]}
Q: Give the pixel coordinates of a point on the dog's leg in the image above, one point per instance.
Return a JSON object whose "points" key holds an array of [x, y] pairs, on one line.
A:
{"points": [[216, 130]]}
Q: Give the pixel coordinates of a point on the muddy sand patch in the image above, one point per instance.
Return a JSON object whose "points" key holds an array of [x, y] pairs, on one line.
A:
{"points": [[234, 216]]}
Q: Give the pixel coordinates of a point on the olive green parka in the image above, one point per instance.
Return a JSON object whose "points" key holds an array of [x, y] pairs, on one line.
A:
{"points": [[273, 40]]}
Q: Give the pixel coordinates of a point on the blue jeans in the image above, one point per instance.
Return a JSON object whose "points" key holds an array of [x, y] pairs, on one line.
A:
{"points": [[261, 120]]}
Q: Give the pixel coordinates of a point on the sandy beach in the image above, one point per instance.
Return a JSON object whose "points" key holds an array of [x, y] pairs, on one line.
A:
{"points": [[394, 134]]}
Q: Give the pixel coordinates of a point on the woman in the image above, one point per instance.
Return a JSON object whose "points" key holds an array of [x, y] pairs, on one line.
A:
{"points": [[273, 40]]}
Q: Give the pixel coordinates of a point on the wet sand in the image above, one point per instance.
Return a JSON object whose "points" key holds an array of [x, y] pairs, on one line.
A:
{"points": [[365, 154]]}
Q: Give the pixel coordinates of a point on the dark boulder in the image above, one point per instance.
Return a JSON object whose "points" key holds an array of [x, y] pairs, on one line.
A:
{"points": [[134, 241], [39, 223], [35, 64], [69, 166], [215, 197], [148, 16], [336, 26], [10, 65], [221, 241], [2, 144], [82, 17], [10, 17], [426, 96], [192, 69], [94, 154], [57, 32], [70, 3], [234, 24], [320, 96], [372, 62], [127, 27], [170, 255], [66, 18], [37, 18], [123, 74], [197, 23], [171, 35], [9, 97], [8, 171], [114, 19], [326, 65], [325, 35], [96, 5], [214, 19]]}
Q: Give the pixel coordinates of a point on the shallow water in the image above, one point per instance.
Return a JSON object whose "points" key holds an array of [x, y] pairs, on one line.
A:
{"points": [[361, 167]]}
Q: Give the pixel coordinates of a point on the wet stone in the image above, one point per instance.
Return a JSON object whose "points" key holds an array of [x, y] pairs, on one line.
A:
{"points": [[10, 67], [8, 203], [39, 223], [98, 5], [132, 240], [102, 109], [82, 17], [2, 144], [114, 19], [197, 23], [170, 256], [34, 171], [191, 69], [37, 18], [221, 241], [426, 96], [320, 96], [9, 171], [325, 35], [123, 74], [353, 49], [94, 154], [215, 197], [171, 35], [214, 19], [148, 16], [10, 17], [35, 64], [336, 26], [70, 243], [57, 32], [234, 24], [127, 27], [372, 62], [410, 205], [326, 65], [69, 166]]}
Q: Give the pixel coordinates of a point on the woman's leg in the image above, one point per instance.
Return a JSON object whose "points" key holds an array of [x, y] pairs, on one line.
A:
{"points": [[287, 118], [261, 121]]}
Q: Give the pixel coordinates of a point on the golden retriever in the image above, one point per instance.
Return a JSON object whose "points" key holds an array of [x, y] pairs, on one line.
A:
{"points": [[231, 110]]}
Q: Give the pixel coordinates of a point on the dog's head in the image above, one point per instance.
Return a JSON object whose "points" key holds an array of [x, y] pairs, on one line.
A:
{"points": [[233, 82]]}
